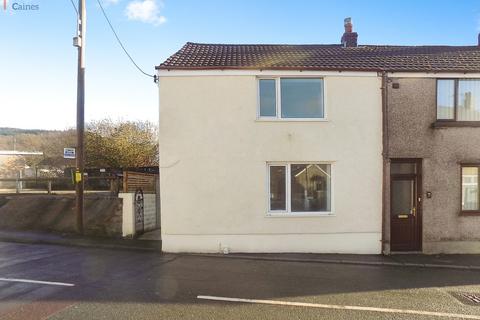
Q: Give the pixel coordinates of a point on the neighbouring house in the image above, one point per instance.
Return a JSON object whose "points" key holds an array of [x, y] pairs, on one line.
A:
{"points": [[340, 148]]}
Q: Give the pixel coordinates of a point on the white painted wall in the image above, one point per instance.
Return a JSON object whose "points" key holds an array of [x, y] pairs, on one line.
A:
{"points": [[128, 221], [150, 213], [213, 155]]}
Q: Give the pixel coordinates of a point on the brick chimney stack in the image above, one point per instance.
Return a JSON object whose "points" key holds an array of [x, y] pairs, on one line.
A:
{"points": [[349, 38]]}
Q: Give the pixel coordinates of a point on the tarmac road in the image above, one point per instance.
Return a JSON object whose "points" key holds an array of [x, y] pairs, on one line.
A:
{"points": [[90, 283]]}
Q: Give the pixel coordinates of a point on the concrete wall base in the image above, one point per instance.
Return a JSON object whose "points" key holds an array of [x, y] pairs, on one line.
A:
{"points": [[355, 243], [452, 247]]}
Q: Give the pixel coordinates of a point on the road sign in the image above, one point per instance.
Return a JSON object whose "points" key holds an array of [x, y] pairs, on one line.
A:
{"points": [[69, 153]]}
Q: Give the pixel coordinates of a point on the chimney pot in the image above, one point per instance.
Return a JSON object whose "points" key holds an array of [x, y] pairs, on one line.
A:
{"points": [[349, 38], [347, 23], [478, 41]]}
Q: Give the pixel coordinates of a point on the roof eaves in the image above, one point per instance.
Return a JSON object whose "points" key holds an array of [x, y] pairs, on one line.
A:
{"points": [[163, 67], [412, 70]]}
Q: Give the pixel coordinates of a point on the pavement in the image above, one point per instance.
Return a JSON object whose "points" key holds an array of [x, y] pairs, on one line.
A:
{"points": [[36, 237], [150, 242], [445, 261], [151, 235], [68, 282]]}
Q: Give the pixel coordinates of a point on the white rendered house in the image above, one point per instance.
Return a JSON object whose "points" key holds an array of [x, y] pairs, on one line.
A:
{"points": [[261, 154], [294, 180]]}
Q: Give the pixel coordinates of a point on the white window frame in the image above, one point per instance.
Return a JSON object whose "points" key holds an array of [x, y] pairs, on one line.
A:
{"points": [[288, 212], [278, 102], [456, 89]]}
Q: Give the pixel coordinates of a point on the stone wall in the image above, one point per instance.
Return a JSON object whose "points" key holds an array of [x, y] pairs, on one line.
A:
{"points": [[103, 214]]}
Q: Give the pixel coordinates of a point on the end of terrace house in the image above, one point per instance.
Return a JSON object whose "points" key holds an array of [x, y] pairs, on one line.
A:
{"points": [[331, 148]]}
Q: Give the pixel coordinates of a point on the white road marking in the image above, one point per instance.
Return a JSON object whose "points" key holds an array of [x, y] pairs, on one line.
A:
{"points": [[341, 307], [38, 282]]}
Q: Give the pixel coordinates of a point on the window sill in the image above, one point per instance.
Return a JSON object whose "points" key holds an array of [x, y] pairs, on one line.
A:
{"points": [[449, 124], [298, 214], [470, 213], [291, 120]]}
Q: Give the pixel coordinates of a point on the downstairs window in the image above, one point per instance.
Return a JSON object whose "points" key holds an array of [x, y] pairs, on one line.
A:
{"points": [[299, 188], [470, 194]]}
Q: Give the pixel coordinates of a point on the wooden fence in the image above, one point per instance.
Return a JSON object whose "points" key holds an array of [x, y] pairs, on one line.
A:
{"points": [[135, 180]]}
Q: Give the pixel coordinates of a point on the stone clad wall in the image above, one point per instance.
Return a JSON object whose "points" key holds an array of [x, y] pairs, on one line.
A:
{"points": [[412, 110]]}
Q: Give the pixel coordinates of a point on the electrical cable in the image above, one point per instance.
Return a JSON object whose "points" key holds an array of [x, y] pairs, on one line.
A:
{"points": [[74, 7], [121, 44]]}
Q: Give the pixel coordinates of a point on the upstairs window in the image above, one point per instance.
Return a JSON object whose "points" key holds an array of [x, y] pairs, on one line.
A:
{"points": [[458, 100], [268, 98], [291, 98], [445, 99]]}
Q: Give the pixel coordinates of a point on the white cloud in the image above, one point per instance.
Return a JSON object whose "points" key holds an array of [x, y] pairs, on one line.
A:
{"points": [[147, 11]]}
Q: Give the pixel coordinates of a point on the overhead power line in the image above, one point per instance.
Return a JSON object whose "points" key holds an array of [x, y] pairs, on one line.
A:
{"points": [[74, 7], [121, 44]]}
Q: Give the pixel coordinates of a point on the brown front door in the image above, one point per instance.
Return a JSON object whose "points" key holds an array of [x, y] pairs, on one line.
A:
{"points": [[406, 205]]}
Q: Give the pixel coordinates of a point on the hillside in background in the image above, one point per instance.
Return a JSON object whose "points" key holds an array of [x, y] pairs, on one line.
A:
{"points": [[14, 131], [28, 140], [108, 144]]}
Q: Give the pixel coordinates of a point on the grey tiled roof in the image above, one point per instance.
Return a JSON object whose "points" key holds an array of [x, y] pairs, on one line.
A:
{"points": [[199, 56]]}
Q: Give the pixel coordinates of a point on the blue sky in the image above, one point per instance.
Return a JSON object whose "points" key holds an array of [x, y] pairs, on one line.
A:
{"points": [[38, 61]]}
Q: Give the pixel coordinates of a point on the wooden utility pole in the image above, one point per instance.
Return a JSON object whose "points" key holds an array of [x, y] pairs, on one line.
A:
{"points": [[79, 42]]}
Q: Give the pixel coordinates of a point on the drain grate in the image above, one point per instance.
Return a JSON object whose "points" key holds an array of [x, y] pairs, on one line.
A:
{"points": [[475, 298], [469, 298]]}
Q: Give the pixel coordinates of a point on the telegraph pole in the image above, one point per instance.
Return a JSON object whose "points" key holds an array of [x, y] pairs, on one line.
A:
{"points": [[79, 42]]}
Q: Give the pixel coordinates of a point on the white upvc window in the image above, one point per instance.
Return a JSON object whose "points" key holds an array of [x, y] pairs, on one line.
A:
{"points": [[299, 188], [458, 100], [470, 187], [291, 98]]}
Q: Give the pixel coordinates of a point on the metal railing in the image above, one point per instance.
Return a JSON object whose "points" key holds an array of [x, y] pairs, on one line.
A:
{"points": [[112, 184]]}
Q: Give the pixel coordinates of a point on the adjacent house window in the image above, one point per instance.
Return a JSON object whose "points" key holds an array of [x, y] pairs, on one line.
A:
{"points": [[299, 188], [468, 101], [470, 194], [458, 99], [445, 99], [291, 98]]}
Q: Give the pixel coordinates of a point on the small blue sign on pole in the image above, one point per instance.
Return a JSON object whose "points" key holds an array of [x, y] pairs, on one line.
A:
{"points": [[69, 153]]}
